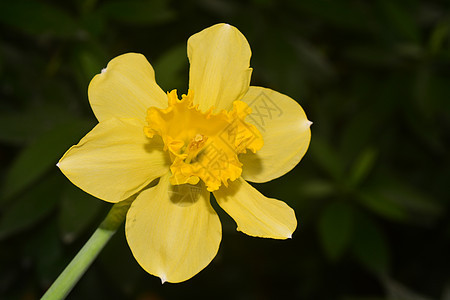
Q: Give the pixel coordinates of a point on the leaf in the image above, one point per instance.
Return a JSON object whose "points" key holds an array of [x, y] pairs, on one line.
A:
{"points": [[438, 37], [362, 167], [398, 201], [335, 229], [15, 126], [137, 11], [400, 20], [421, 208], [90, 62], [396, 290], [314, 60], [371, 55], [340, 14], [383, 206], [43, 154], [45, 250], [36, 17], [117, 260], [369, 245], [327, 158], [31, 207], [317, 188], [169, 66], [78, 209]]}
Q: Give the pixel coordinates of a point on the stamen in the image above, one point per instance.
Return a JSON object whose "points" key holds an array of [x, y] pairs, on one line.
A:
{"points": [[195, 146]]}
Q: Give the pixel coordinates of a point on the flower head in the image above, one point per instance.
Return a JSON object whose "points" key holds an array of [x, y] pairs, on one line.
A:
{"points": [[220, 134]]}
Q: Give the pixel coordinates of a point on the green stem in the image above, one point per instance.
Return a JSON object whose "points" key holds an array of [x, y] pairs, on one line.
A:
{"points": [[81, 262]]}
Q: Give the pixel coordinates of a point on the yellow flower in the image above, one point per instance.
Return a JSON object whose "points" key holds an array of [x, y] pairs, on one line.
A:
{"points": [[222, 133]]}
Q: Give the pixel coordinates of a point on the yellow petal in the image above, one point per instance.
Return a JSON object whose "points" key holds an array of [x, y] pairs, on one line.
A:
{"points": [[219, 72], [125, 89], [173, 231], [115, 160], [285, 131], [255, 214]]}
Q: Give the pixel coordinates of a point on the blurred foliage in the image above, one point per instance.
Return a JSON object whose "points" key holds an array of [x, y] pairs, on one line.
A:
{"points": [[371, 194]]}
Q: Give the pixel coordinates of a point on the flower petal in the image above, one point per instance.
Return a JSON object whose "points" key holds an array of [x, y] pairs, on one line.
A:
{"points": [[219, 72], [285, 130], [126, 88], [255, 214], [115, 160], [173, 231]]}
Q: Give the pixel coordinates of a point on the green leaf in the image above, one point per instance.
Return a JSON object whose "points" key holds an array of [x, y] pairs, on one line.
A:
{"points": [[336, 13], [317, 188], [372, 55], [335, 229], [15, 126], [400, 19], [117, 260], [369, 245], [31, 207], [45, 249], [327, 158], [137, 11], [36, 17], [316, 64], [169, 66], [77, 211], [90, 62], [362, 167], [20, 131], [396, 290], [383, 206], [398, 201], [43, 154], [421, 208], [438, 37]]}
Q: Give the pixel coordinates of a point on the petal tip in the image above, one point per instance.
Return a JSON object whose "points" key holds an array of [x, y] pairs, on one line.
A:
{"points": [[286, 235], [163, 279]]}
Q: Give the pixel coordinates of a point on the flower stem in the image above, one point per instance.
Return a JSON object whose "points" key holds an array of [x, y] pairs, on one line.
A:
{"points": [[81, 262]]}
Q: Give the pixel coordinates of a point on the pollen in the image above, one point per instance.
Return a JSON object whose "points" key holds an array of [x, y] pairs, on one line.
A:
{"points": [[203, 145], [197, 142]]}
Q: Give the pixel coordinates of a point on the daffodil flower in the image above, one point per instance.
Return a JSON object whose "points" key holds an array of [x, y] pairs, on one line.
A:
{"points": [[220, 135]]}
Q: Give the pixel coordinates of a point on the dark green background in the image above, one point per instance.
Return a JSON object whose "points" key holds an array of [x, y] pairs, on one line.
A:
{"points": [[371, 195]]}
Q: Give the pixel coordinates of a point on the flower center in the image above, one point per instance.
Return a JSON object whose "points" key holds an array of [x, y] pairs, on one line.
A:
{"points": [[202, 145]]}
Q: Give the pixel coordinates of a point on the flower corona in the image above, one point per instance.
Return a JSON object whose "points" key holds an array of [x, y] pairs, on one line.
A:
{"points": [[203, 145]]}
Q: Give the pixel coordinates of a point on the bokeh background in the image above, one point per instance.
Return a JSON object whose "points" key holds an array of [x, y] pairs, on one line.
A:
{"points": [[371, 195]]}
